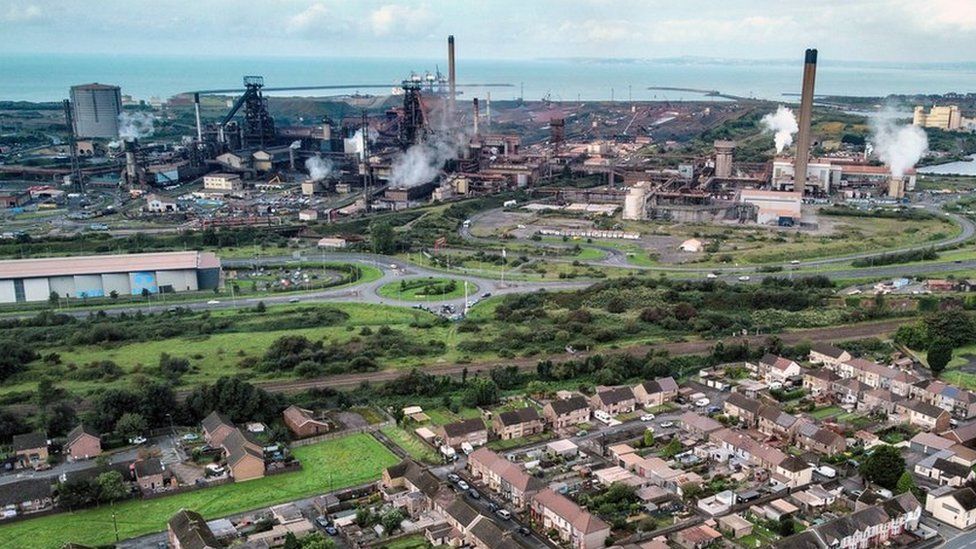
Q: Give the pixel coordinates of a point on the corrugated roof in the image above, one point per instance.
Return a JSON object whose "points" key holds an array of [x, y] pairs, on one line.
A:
{"points": [[97, 264]]}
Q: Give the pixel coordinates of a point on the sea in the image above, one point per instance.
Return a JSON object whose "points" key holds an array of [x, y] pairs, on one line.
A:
{"points": [[47, 77]]}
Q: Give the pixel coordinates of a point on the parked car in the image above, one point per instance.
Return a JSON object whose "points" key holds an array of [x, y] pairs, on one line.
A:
{"points": [[702, 402], [463, 485], [524, 531], [492, 506], [189, 437], [323, 521], [474, 493], [294, 300], [331, 530], [42, 466], [647, 417], [213, 302], [711, 275], [667, 424], [744, 278], [504, 514], [137, 440], [452, 477]]}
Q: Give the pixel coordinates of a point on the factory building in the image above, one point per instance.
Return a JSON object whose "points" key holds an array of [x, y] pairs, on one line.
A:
{"points": [[225, 182], [773, 207], [95, 110], [826, 176], [948, 117], [25, 280]]}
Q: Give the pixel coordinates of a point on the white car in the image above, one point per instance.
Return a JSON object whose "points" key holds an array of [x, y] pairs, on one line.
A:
{"points": [[190, 437], [667, 424], [702, 402], [795, 262], [504, 514], [138, 440], [744, 278], [647, 417], [711, 275], [213, 302], [463, 485]]}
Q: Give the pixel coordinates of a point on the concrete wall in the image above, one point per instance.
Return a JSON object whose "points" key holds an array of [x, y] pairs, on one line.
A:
{"points": [[63, 285], [89, 285], [118, 282], [7, 294], [181, 281], [140, 280], [37, 289]]}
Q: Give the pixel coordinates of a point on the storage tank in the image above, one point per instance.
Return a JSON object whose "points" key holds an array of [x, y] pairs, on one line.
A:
{"points": [[96, 108]]}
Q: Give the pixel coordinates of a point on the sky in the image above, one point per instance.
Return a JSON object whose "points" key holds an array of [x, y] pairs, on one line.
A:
{"points": [[843, 30]]}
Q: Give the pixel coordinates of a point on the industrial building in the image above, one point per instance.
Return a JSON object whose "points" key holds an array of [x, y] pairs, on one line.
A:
{"points": [[25, 280], [95, 110], [947, 117]]}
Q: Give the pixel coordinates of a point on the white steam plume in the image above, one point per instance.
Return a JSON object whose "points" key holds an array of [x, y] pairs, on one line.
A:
{"points": [[354, 144], [898, 146], [423, 161], [135, 125], [783, 125], [297, 144], [318, 168]]}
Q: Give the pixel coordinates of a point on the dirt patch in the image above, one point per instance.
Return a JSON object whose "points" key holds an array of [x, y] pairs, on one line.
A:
{"points": [[351, 420]]}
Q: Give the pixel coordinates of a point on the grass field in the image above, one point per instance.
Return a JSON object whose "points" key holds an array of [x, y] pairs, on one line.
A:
{"points": [[824, 413], [420, 289], [443, 416], [417, 448], [415, 541], [326, 466]]}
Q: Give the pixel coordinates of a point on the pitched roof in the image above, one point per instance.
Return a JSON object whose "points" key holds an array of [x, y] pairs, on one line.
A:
{"points": [[564, 507], [794, 464], [148, 467], [660, 385], [192, 531], [462, 512], [699, 422], [743, 402], [776, 362], [506, 470], [464, 427], [214, 420], [28, 489], [951, 468], [777, 416], [240, 445], [615, 395], [931, 440], [420, 477], [29, 441], [515, 417], [824, 375], [568, 405], [299, 416], [965, 497], [827, 350], [924, 408], [964, 433], [80, 430]]}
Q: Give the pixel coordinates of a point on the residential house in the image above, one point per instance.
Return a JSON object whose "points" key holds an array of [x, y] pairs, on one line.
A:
{"points": [[83, 443], [953, 506], [848, 390], [574, 526], [657, 392], [486, 534], [735, 525], [871, 526], [30, 450], [814, 499], [828, 355], [503, 477], [698, 425], [244, 456], [149, 474], [776, 369], [819, 382], [930, 443], [517, 423], [813, 438], [942, 470], [188, 530], [924, 415], [792, 472], [27, 495], [696, 537], [877, 376], [963, 433], [743, 407], [302, 423], [960, 403], [614, 400], [878, 400], [410, 486], [661, 474], [566, 413], [216, 426], [472, 431], [748, 449], [776, 423]]}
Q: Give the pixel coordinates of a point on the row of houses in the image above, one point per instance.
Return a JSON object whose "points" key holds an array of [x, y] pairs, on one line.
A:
{"points": [[870, 526], [772, 421], [560, 414], [243, 454]]}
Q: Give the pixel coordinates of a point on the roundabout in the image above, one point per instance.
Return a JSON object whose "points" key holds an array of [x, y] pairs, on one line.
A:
{"points": [[427, 289]]}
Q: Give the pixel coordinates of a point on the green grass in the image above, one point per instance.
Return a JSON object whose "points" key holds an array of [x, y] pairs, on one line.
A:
{"points": [[326, 466], [370, 414], [443, 416], [414, 541], [824, 413], [519, 442], [412, 444], [430, 288]]}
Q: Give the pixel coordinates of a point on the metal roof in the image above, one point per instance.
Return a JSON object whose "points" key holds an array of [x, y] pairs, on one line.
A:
{"points": [[98, 264]]}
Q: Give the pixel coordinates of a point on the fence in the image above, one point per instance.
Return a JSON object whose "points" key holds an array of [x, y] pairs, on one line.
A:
{"points": [[338, 434], [186, 488]]}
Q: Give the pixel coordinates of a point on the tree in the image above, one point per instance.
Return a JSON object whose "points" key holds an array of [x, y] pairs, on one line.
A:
{"points": [[691, 490], [906, 483], [481, 392], [382, 238], [145, 293], [14, 356], [672, 449], [11, 424], [54, 299], [317, 541], [114, 294], [77, 492], [939, 355], [391, 520], [173, 367], [648, 438], [60, 419], [111, 486], [291, 542], [884, 466], [131, 425]]}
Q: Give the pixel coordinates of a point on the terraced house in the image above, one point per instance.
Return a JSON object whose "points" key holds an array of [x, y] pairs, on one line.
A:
{"points": [[614, 400], [959, 402], [574, 526], [828, 355], [566, 413], [517, 423], [869, 527], [503, 477], [657, 392]]}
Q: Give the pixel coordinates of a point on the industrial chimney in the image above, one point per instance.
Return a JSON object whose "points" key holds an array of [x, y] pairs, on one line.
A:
{"points": [[477, 114], [451, 81], [806, 113]]}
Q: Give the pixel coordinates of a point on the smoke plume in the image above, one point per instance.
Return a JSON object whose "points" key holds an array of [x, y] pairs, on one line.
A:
{"points": [[783, 125], [423, 161], [898, 146], [318, 168], [135, 125], [354, 144], [295, 145]]}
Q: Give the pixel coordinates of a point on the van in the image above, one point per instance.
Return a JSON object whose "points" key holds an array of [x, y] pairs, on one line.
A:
{"points": [[602, 416]]}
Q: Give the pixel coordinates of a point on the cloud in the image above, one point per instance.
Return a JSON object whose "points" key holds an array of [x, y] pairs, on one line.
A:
{"points": [[310, 17], [942, 15], [385, 20], [22, 14]]}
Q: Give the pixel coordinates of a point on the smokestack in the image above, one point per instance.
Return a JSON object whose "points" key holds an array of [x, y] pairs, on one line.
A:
{"points": [[131, 165], [806, 113], [196, 110], [476, 115], [451, 76], [488, 112]]}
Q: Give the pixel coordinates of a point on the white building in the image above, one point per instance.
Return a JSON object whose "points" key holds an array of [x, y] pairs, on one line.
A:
{"points": [[226, 182]]}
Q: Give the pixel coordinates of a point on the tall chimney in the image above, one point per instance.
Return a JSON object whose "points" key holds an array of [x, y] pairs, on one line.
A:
{"points": [[477, 113], [450, 71], [196, 111], [806, 113]]}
